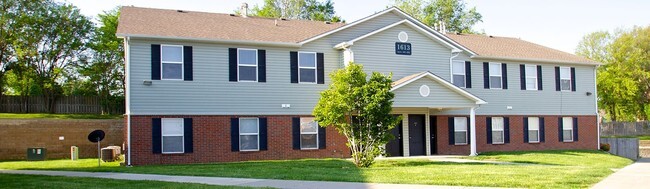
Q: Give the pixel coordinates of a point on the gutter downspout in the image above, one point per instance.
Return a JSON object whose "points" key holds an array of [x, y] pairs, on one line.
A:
{"points": [[127, 93], [454, 54], [596, 99]]}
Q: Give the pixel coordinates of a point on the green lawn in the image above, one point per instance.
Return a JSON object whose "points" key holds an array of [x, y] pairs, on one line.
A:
{"points": [[54, 182], [641, 137], [548, 169], [58, 116]]}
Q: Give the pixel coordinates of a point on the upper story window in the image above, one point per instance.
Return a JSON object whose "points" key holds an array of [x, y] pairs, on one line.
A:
{"points": [[531, 77], [247, 64], [172, 135], [460, 130], [458, 74], [533, 130], [307, 67], [308, 133], [498, 133], [496, 76], [567, 129], [249, 133], [171, 57], [565, 78]]}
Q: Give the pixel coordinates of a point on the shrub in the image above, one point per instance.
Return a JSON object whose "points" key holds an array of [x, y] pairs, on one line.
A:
{"points": [[604, 147]]}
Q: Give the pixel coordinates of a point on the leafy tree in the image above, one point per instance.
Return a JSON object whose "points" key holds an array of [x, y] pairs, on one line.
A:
{"points": [[453, 13], [54, 35], [624, 80], [369, 101], [297, 9]]}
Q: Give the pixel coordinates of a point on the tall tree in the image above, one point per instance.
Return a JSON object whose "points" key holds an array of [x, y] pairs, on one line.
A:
{"points": [[297, 9], [57, 34], [369, 101], [453, 13], [623, 81]]}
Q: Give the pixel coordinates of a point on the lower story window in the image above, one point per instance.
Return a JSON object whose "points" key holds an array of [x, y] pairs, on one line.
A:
{"points": [[460, 130], [308, 133], [497, 130], [533, 129], [567, 129], [249, 134], [172, 135]]}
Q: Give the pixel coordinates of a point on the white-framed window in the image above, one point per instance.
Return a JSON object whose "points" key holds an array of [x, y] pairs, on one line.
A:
{"points": [[496, 77], [249, 134], [308, 133], [458, 73], [533, 130], [171, 62], [307, 67], [173, 140], [565, 78], [498, 134], [460, 130], [567, 129], [247, 64], [531, 77]]}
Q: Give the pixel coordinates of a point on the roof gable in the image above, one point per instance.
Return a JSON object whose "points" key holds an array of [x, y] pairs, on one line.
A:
{"points": [[402, 22], [412, 78]]}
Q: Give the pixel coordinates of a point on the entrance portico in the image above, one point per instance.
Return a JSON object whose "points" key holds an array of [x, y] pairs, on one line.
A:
{"points": [[419, 99]]}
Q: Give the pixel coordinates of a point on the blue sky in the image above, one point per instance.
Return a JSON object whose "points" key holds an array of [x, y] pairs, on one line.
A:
{"points": [[558, 24]]}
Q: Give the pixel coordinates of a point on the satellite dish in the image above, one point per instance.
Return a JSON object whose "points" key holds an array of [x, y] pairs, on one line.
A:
{"points": [[96, 136]]}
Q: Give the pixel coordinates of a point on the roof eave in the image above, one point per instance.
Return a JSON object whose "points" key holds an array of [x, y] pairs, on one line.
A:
{"points": [[240, 42], [462, 92], [534, 60]]}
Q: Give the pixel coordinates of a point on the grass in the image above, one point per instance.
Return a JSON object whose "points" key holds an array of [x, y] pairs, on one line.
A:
{"points": [[641, 137], [55, 182], [57, 116], [547, 169]]}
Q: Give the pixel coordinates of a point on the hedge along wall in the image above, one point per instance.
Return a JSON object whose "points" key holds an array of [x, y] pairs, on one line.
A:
{"points": [[16, 135]]}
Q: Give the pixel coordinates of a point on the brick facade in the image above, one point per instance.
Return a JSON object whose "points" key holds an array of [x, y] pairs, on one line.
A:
{"points": [[588, 136], [212, 142]]}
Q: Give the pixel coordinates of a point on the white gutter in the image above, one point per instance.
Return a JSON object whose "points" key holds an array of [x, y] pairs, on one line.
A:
{"points": [[451, 63], [535, 60], [127, 93], [596, 99], [240, 42]]}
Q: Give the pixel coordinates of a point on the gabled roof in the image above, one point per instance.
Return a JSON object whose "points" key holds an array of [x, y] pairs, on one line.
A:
{"points": [[148, 22], [411, 78], [513, 49]]}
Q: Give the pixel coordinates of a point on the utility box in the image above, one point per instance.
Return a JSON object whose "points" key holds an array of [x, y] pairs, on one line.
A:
{"points": [[74, 153], [36, 154]]}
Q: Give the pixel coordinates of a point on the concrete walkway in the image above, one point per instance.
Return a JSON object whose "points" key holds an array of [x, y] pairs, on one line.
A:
{"points": [[290, 184], [636, 175]]}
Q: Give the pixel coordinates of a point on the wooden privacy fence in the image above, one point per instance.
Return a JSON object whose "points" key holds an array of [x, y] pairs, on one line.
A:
{"points": [[625, 147], [625, 128], [62, 105]]}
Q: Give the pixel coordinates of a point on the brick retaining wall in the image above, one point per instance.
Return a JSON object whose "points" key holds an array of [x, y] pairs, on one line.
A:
{"points": [[16, 135]]}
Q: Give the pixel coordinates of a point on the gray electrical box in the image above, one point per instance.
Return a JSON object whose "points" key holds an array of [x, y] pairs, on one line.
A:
{"points": [[36, 154]]}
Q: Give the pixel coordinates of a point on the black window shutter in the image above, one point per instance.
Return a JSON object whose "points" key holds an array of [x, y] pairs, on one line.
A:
{"points": [[504, 75], [488, 129], [469, 132], [559, 129], [293, 59], [322, 137], [539, 77], [263, 134], [295, 132], [526, 140], [261, 65], [542, 135], [522, 74], [156, 135], [575, 129], [506, 129], [155, 62], [450, 123], [187, 63], [486, 75], [468, 74], [234, 134], [573, 79], [320, 68], [232, 65], [188, 135], [557, 78]]}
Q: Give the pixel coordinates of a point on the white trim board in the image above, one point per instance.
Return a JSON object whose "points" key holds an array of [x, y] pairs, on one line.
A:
{"points": [[458, 90]]}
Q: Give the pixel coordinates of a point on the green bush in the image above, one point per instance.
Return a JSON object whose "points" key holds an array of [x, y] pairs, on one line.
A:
{"points": [[604, 147]]}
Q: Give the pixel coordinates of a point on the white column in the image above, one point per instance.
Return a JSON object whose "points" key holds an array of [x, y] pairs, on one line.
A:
{"points": [[472, 131]]}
